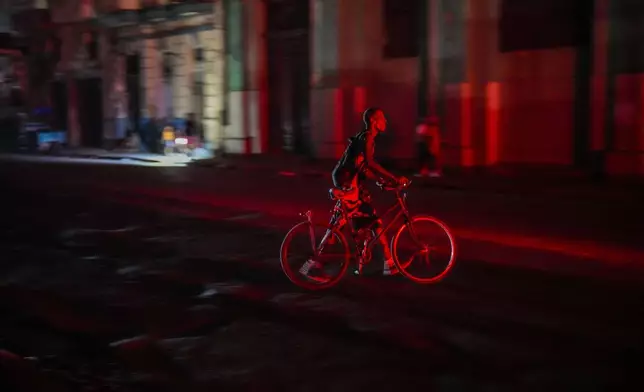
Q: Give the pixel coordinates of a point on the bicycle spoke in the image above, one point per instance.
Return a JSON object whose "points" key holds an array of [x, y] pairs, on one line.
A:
{"points": [[408, 263], [426, 254]]}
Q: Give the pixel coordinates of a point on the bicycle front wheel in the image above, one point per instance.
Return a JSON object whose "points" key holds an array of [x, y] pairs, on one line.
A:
{"points": [[314, 256], [424, 249]]}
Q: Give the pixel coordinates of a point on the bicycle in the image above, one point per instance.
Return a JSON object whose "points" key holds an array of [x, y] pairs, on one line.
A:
{"points": [[363, 242]]}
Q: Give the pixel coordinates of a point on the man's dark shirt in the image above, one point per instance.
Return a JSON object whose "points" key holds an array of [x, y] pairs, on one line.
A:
{"points": [[358, 160]]}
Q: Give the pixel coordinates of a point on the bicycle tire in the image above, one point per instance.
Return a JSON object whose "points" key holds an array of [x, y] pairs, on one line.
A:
{"points": [[293, 275], [403, 270]]}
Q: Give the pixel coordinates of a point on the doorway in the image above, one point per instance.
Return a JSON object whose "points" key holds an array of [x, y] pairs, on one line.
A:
{"points": [[59, 103], [90, 111], [133, 87], [288, 76]]}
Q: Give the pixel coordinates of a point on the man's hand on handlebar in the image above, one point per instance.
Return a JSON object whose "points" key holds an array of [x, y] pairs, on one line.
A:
{"points": [[398, 183]]}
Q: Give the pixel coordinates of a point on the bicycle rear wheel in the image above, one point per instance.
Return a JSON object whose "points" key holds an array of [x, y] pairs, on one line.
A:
{"points": [[425, 243], [309, 245]]}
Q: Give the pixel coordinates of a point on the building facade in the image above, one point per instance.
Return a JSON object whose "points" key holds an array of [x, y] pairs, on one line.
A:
{"points": [[111, 62], [556, 83], [167, 57]]}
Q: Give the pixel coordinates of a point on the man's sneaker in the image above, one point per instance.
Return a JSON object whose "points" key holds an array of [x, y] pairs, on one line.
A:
{"points": [[314, 271], [390, 268]]}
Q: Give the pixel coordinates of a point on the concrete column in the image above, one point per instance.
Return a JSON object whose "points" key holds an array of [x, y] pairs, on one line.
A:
{"points": [[114, 92], [480, 57], [166, 99], [191, 70], [256, 82], [181, 86], [340, 60], [481, 91], [327, 131], [152, 76], [214, 58], [236, 131], [455, 104], [491, 85]]}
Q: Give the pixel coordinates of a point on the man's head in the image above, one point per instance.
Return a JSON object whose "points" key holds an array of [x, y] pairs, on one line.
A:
{"points": [[374, 119]]}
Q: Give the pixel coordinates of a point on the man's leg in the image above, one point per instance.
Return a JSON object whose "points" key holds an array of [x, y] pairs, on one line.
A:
{"points": [[422, 158], [382, 239], [389, 267], [435, 165]]}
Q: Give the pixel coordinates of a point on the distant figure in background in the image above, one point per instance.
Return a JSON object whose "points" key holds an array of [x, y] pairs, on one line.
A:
{"points": [[191, 125], [428, 143], [193, 128]]}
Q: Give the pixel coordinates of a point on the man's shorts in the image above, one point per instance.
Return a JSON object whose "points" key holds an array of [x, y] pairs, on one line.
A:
{"points": [[361, 211]]}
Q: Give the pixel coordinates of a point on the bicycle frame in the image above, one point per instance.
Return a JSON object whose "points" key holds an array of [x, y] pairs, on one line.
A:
{"points": [[401, 211], [340, 214], [399, 208]]}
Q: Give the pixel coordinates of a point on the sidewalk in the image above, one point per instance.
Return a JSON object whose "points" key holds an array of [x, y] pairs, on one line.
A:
{"points": [[198, 154], [518, 180], [98, 153]]}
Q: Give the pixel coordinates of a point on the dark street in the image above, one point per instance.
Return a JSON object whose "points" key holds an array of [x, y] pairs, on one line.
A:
{"points": [[118, 278]]}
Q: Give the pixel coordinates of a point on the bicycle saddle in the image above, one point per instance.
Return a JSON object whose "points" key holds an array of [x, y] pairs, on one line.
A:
{"points": [[339, 193]]}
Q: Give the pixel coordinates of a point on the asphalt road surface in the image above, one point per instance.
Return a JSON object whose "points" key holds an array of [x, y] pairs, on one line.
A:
{"points": [[135, 279]]}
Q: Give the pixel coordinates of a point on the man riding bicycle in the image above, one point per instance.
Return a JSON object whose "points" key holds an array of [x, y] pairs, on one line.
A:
{"points": [[358, 163]]}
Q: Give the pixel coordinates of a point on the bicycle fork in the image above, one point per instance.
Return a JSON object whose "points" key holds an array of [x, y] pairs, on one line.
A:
{"points": [[414, 236]]}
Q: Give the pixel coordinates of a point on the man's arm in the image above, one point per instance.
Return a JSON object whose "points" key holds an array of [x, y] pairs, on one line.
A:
{"points": [[373, 166]]}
